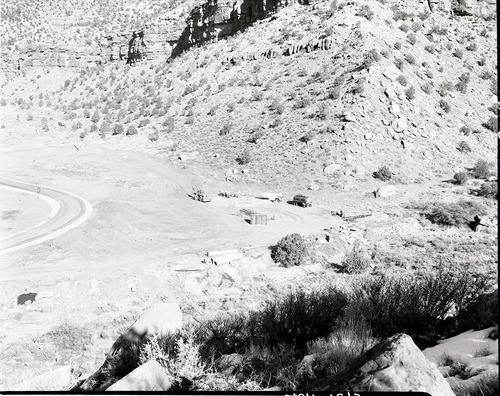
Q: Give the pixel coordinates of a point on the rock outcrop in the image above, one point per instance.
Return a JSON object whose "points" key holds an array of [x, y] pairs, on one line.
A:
{"points": [[123, 356], [149, 377], [392, 365]]}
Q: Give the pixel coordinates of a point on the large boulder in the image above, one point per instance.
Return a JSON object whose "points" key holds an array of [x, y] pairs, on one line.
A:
{"points": [[392, 365], [149, 377], [385, 191]]}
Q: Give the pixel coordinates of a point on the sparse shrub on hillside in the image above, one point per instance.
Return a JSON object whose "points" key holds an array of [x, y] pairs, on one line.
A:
{"points": [[464, 147], [276, 106], [427, 88], [256, 135], [95, 117], [384, 174], [398, 14], [144, 122], [365, 12], [399, 63], [86, 113], [452, 214], [104, 129], [245, 157], [430, 48], [444, 105], [83, 134], [308, 137], [334, 93], [465, 130], [131, 130], [290, 250], [404, 27], [356, 261], [189, 120], [472, 47], [302, 101], [385, 53], [444, 88], [256, 96], [460, 178], [410, 58], [416, 26], [76, 125], [491, 124], [486, 75], [482, 169], [3, 102], [410, 93], [435, 29], [29, 117], [458, 53], [45, 125], [230, 107], [481, 61], [402, 80], [226, 128], [412, 38], [322, 111], [118, 129], [488, 190], [169, 124], [369, 59], [397, 45], [93, 127]]}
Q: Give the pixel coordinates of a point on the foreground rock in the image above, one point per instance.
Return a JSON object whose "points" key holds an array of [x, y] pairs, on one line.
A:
{"points": [[393, 365], [150, 376], [123, 356]]}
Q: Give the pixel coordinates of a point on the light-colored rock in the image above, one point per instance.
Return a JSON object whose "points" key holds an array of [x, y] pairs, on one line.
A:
{"points": [[392, 72], [330, 169], [395, 109], [395, 365], [56, 380], [400, 125], [385, 191], [149, 377]]}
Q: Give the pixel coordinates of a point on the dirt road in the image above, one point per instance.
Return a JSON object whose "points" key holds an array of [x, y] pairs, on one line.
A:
{"points": [[68, 211]]}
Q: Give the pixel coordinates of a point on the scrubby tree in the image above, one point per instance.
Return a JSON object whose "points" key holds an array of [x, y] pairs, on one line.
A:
{"points": [[289, 251]]}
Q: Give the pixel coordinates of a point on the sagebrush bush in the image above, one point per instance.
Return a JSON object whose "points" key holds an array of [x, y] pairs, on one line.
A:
{"points": [[482, 169], [427, 88], [458, 53], [132, 130], [452, 214], [365, 12], [444, 105], [226, 128], [464, 147], [412, 38], [491, 124], [460, 177], [415, 305], [488, 190], [245, 157], [290, 250], [410, 92], [95, 117], [356, 261], [384, 173], [402, 80], [404, 27]]}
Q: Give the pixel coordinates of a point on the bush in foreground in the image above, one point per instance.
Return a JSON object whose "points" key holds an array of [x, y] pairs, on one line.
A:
{"points": [[460, 178], [384, 174], [289, 251], [452, 214], [482, 170]]}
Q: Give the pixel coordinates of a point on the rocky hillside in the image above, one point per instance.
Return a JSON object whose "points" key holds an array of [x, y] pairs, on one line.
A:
{"points": [[315, 95]]}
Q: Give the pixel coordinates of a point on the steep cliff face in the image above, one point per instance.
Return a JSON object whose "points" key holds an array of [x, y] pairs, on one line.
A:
{"points": [[215, 20]]}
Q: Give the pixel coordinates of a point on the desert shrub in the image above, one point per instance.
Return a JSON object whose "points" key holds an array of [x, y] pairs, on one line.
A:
{"points": [[189, 120], [412, 38], [404, 27], [297, 319], [45, 125], [383, 173], [488, 190], [452, 214], [444, 105], [402, 80], [144, 122], [365, 12], [276, 106], [169, 124], [3, 102], [458, 53], [410, 58], [309, 135], [460, 177], [76, 125], [464, 147], [289, 251], [322, 111], [397, 45], [95, 117], [427, 88], [399, 63], [337, 351], [410, 92], [105, 128], [29, 117], [486, 385], [256, 135], [482, 170], [93, 127], [491, 124], [465, 130], [256, 96], [444, 87], [245, 157], [430, 49], [302, 101], [86, 113], [414, 304], [131, 130], [118, 129], [472, 47], [334, 93], [226, 128], [355, 261]]}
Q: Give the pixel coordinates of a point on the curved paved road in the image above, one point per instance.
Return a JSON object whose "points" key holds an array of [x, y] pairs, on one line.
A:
{"points": [[72, 211]]}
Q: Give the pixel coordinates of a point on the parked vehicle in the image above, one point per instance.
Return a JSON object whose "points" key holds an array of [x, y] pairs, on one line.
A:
{"points": [[273, 197], [302, 200]]}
